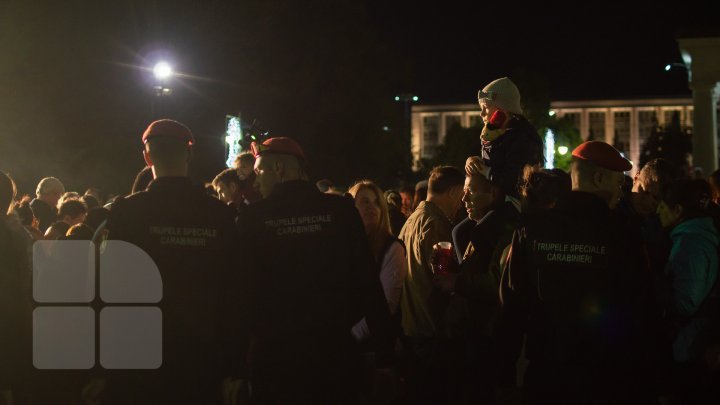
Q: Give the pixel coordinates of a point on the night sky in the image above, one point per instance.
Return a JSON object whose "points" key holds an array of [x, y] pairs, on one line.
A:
{"points": [[74, 98]]}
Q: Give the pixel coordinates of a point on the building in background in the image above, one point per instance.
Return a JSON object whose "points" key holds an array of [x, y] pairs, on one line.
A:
{"points": [[623, 123]]}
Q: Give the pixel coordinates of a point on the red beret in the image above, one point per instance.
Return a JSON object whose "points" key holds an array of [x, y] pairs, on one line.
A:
{"points": [[168, 128], [602, 155], [282, 145]]}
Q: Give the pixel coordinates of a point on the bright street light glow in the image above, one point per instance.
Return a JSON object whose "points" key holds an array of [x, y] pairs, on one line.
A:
{"points": [[397, 98], [551, 113], [162, 70], [667, 67], [562, 150], [416, 98]]}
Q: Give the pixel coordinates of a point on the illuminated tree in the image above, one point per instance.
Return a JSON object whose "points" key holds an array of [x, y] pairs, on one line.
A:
{"points": [[671, 142]]}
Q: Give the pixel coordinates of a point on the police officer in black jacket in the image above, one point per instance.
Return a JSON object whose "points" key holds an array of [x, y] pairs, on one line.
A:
{"points": [[313, 277], [190, 237], [577, 284]]}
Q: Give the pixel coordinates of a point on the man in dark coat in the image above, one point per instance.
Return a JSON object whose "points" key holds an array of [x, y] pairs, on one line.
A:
{"points": [[44, 205], [312, 278], [578, 286], [189, 236]]}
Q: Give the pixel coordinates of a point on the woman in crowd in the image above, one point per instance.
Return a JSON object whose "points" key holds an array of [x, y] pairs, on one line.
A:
{"points": [[692, 270], [388, 251]]}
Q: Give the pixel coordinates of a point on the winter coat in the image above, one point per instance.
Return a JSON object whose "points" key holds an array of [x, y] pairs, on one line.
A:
{"points": [[692, 269], [508, 154]]}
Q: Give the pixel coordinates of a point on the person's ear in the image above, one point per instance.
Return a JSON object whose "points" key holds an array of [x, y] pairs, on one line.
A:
{"points": [[598, 179], [279, 169], [233, 188]]}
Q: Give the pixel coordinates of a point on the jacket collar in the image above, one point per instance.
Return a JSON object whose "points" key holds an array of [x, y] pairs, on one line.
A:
{"points": [[170, 183], [434, 210], [292, 188], [583, 203]]}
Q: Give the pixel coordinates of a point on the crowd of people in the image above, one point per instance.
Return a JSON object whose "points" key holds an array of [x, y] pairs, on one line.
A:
{"points": [[498, 283]]}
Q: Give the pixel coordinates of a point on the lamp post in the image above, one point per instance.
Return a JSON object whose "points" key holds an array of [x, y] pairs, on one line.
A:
{"points": [[407, 99], [162, 72]]}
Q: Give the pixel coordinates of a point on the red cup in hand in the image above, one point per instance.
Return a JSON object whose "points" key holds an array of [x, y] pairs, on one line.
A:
{"points": [[442, 258]]}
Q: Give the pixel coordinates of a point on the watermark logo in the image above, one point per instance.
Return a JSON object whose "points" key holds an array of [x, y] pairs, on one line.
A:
{"points": [[73, 329]]}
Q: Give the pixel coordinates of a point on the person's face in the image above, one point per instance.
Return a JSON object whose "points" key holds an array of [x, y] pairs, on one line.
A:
{"points": [[266, 176], [477, 196], [407, 202], [610, 184], [53, 197], [486, 111], [646, 195], [225, 193], [366, 201], [244, 169]]}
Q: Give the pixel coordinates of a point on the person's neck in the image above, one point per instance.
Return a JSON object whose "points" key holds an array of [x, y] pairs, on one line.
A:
{"points": [[444, 204], [169, 171], [603, 195], [287, 176], [48, 200]]}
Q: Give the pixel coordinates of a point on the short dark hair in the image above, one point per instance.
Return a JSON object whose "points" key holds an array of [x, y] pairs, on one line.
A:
{"points": [[246, 157], [227, 176], [90, 201], [73, 208], [443, 178], [23, 211], [541, 188], [693, 195], [407, 190], [96, 217], [661, 171], [393, 199]]}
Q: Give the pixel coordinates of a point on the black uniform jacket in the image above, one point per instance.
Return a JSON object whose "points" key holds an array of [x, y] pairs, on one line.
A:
{"points": [[577, 283], [313, 277], [190, 237]]}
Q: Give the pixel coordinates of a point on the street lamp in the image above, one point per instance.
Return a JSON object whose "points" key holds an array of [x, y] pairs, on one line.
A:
{"points": [[162, 72]]}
